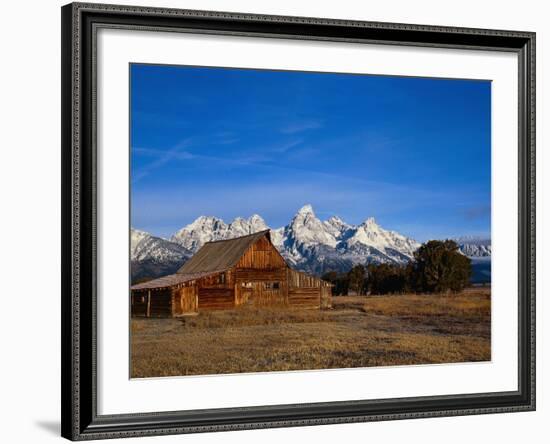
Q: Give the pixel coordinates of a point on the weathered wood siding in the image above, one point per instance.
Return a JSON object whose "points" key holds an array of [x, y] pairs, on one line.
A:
{"points": [[261, 293], [304, 298], [242, 294], [304, 291], [299, 279], [216, 299], [326, 295], [185, 300], [161, 303], [261, 255], [139, 303], [216, 292], [249, 275], [260, 276], [218, 280]]}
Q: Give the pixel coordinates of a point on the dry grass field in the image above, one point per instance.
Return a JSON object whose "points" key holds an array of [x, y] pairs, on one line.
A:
{"points": [[359, 331]]}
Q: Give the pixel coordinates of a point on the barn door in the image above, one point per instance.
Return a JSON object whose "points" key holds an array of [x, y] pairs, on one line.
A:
{"points": [[248, 293], [188, 299]]}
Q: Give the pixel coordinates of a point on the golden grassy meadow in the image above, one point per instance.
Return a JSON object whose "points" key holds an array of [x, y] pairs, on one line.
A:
{"points": [[359, 331]]}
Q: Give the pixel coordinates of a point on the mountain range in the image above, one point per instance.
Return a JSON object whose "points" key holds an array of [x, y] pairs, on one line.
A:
{"points": [[474, 246], [307, 243]]}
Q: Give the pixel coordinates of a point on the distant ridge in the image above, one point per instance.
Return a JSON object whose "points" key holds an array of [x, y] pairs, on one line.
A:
{"points": [[306, 243]]}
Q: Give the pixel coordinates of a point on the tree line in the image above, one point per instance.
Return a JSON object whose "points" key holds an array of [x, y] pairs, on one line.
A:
{"points": [[437, 266]]}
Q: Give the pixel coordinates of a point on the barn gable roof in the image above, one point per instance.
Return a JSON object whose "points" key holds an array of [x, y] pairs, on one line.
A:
{"points": [[221, 255]]}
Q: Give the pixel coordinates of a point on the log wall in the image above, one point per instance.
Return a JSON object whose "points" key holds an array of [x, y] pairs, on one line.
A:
{"points": [[261, 255], [326, 296], [305, 291], [216, 298], [185, 300], [306, 297], [139, 303], [250, 275], [161, 303], [261, 294], [299, 279], [219, 280]]}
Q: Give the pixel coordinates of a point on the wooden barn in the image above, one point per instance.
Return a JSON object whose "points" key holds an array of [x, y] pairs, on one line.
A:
{"points": [[245, 271]]}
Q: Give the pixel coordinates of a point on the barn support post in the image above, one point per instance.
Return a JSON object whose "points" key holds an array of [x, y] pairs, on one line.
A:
{"points": [[287, 285], [148, 303], [173, 301]]}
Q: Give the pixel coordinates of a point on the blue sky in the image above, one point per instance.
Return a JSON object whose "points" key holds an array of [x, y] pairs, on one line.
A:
{"points": [[415, 153]]}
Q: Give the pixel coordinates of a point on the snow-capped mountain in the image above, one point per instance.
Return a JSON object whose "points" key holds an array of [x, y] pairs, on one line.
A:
{"points": [[317, 246], [474, 246], [209, 228], [478, 249], [306, 243], [153, 256]]}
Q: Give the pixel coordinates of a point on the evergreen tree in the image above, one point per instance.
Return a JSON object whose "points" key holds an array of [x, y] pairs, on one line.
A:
{"points": [[387, 278], [357, 276], [439, 267], [340, 282]]}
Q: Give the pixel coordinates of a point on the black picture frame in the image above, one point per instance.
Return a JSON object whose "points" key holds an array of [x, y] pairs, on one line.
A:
{"points": [[79, 171]]}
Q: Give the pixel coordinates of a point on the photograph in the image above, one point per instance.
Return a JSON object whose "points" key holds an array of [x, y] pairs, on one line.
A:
{"points": [[294, 220], [275, 218]]}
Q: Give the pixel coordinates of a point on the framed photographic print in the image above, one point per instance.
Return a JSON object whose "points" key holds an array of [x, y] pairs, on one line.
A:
{"points": [[280, 221]]}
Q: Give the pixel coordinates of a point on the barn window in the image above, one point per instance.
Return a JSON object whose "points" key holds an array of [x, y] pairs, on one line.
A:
{"points": [[271, 285], [221, 278]]}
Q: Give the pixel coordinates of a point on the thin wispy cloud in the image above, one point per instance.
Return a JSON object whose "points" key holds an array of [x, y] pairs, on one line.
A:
{"points": [[257, 157], [352, 199], [285, 146], [299, 127], [412, 152], [162, 157]]}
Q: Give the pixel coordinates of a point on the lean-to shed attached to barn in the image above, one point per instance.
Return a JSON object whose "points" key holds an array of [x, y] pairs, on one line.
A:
{"points": [[224, 274]]}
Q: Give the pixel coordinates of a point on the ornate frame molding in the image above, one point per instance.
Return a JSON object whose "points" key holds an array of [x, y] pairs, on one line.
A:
{"points": [[80, 22]]}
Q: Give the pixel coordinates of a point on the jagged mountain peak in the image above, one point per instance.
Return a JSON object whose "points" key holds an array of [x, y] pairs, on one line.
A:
{"points": [[201, 224], [257, 221], [335, 220], [474, 246], [336, 226], [305, 236], [307, 243], [241, 226], [305, 216], [209, 228], [153, 256], [306, 209], [306, 229], [137, 235], [207, 220], [370, 222], [145, 244]]}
